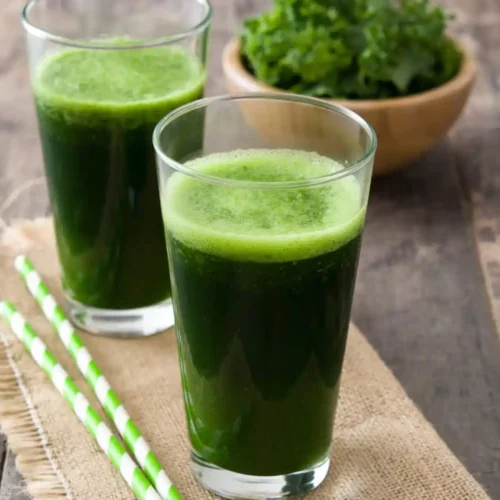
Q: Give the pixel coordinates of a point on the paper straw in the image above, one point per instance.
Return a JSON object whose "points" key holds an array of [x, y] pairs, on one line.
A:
{"points": [[89, 369], [109, 444]]}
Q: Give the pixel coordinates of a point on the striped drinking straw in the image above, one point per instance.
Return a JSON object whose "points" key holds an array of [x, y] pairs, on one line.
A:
{"points": [[89, 369], [89, 417]]}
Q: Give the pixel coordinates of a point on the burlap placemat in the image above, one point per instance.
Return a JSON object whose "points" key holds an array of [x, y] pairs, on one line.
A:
{"points": [[383, 448]]}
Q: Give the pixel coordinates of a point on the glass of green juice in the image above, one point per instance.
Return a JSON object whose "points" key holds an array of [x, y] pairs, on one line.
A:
{"points": [[103, 73], [263, 220]]}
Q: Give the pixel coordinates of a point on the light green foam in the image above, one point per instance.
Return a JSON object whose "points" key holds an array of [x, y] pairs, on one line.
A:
{"points": [[263, 225], [120, 79]]}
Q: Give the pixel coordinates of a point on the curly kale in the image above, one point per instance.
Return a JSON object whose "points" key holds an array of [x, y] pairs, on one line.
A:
{"points": [[353, 49]]}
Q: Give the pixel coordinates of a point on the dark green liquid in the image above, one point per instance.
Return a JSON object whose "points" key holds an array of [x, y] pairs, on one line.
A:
{"points": [[262, 309], [96, 114]]}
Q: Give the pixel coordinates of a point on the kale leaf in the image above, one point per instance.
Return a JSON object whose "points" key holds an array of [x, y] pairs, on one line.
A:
{"points": [[353, 49]]}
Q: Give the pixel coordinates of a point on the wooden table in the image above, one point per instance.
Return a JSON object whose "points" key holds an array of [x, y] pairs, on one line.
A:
{"points": [[428, 293]]}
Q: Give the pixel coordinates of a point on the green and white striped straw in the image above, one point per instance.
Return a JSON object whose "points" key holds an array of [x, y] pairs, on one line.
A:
{"points": [[81, 406], [89, 369]]}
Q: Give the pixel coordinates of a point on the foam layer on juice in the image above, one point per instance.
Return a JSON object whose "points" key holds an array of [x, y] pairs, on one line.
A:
{"points": [[117, 81], [263, 225]]}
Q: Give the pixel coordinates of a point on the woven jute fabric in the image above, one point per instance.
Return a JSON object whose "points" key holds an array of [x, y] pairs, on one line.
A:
{"points": [[383, 448]]}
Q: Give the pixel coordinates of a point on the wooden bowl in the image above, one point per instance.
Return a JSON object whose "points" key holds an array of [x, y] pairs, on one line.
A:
{"points": [[406, 127]]}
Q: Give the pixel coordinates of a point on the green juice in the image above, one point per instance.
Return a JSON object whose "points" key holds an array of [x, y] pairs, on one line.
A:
{"points": [[96, 112], [263, 283]]}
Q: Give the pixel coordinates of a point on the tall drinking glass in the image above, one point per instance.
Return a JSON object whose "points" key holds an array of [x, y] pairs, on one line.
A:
{"points": [[263, 216], [103, 73]]}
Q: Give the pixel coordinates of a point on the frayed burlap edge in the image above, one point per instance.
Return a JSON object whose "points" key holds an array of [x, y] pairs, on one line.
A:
{"points": [[20, 422], [27, 438]]}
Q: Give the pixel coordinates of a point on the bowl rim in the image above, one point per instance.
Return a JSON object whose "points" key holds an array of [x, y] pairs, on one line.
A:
{"points": [[234, 68]]}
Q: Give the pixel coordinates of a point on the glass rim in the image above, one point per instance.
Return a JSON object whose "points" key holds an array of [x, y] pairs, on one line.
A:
{"points": [[294, 184], [99, 44]]}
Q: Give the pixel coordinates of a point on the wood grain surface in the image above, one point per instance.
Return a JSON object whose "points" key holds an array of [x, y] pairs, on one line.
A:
{"points": [[428, 292]]}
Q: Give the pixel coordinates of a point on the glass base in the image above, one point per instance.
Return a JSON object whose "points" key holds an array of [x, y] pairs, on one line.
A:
{"points": [[131, 323], [234, 485]]}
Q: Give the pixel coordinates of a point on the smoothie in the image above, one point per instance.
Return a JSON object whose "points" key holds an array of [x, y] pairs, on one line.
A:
{"points": [[96, 112], [263, 284]]}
